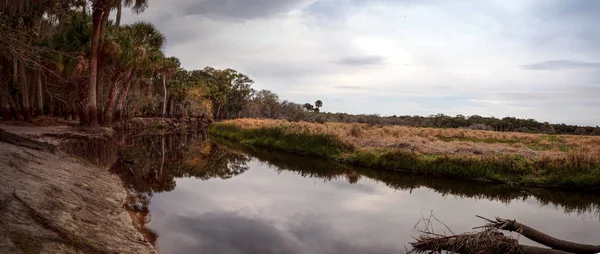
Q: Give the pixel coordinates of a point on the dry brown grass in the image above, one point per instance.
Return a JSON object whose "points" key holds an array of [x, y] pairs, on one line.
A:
{"points": [[445, 141]]}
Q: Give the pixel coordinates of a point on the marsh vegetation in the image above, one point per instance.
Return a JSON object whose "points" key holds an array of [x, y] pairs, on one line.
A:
{"points": [[509, 157]]}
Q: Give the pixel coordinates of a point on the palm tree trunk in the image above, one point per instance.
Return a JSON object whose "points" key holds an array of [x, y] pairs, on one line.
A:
{"points": [[4, 102], [93, 78], [73, 109], [32, 87], [111, 101], [100, 98], [81, 108], [119, 12], [15, 70], [123, 97], [104, 23], [49, 101], [164, 110], [101, 62], [24, 90], [40, 93]]}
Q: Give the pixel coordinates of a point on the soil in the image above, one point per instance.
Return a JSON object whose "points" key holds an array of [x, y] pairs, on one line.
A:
{"points": [[53, 202]]}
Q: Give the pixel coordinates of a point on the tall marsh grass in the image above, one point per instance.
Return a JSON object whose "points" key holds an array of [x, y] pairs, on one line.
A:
{"points": [[532, 159]]}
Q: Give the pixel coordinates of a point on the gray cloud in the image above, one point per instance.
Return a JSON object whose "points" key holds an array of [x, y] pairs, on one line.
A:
{"points": [[231, 233], [566, 93], [562, 64], [351, 87], [365, 188], [239, 9], [283, 70], [361, 60], [570, 25]]}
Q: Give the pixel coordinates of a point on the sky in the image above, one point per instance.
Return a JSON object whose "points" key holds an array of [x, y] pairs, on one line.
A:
{"points": [[525, 58]]}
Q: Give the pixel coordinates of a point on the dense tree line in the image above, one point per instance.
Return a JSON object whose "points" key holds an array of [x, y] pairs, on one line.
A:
{"points": [[67, 58], [266, 104]]}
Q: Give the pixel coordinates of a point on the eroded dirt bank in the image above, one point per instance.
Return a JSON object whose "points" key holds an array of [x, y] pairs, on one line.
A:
{"points": [[52, 202]]}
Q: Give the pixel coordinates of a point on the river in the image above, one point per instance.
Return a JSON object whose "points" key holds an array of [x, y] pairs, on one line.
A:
{"points": [[197, 195]]}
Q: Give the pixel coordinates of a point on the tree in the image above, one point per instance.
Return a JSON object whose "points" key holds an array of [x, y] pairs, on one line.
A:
{"points": [[308, 106], [230, 91], [99, 7], [100, 13], [318, 104], [168, 67], [74, 37], [147, 43]]}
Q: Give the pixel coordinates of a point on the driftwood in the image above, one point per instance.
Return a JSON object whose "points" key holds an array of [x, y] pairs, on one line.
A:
{"points": [[25, 142], [492, 240], [489, 241], [541, 238]]}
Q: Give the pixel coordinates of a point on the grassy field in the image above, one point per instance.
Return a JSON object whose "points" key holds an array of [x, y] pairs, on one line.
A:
{"points": [[516, 158]]}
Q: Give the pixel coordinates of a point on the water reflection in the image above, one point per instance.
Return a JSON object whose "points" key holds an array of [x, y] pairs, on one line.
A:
{"points": [[263, 206], [578, 202]]}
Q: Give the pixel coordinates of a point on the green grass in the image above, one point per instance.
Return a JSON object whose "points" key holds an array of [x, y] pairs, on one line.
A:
{"points": [[569, 172], [279, 138]]}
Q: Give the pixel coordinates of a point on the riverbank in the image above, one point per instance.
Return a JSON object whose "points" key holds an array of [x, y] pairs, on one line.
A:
{"points": [[53, 202], [514, 158]]}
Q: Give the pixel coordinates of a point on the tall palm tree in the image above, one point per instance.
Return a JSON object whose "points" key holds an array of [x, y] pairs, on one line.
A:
{"points": [[137, 6], [122, 68], [168, 67], [147, 43], [100, 13], [99, 7], [74, 37]]}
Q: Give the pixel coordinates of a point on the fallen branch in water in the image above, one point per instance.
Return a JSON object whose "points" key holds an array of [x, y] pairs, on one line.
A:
{"points": [[540, 237], [489, 240]]}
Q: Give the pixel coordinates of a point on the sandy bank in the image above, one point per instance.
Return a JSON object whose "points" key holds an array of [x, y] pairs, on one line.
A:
{"points": [[61, 204]]}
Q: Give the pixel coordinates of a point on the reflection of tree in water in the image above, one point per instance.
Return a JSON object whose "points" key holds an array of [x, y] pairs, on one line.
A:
{"points": [[150, 164], [579, 202], [215, 162]]}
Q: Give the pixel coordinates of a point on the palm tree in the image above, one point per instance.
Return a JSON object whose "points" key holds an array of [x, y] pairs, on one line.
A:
{"points": [[74, 37], [100, 13], [147, 43], [98, 9], [168, 67], [318, 104], [137, 6]]}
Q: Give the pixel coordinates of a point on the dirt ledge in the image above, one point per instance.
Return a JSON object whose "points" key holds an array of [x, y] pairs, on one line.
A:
{"points": [[51, 202]]}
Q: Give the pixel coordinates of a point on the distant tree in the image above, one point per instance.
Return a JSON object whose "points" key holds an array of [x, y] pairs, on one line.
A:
{"points": [[580, 131], [318, 104], [309, 107]]}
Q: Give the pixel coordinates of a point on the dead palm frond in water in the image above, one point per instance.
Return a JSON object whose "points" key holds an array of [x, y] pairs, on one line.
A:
{"points": [[490, 239]]}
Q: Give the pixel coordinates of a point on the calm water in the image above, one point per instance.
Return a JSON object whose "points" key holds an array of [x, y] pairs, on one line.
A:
{"points": [[202, 196]]}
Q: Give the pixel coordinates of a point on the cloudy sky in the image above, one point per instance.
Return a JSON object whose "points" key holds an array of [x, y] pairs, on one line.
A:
{"points": [[525, 58]]}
